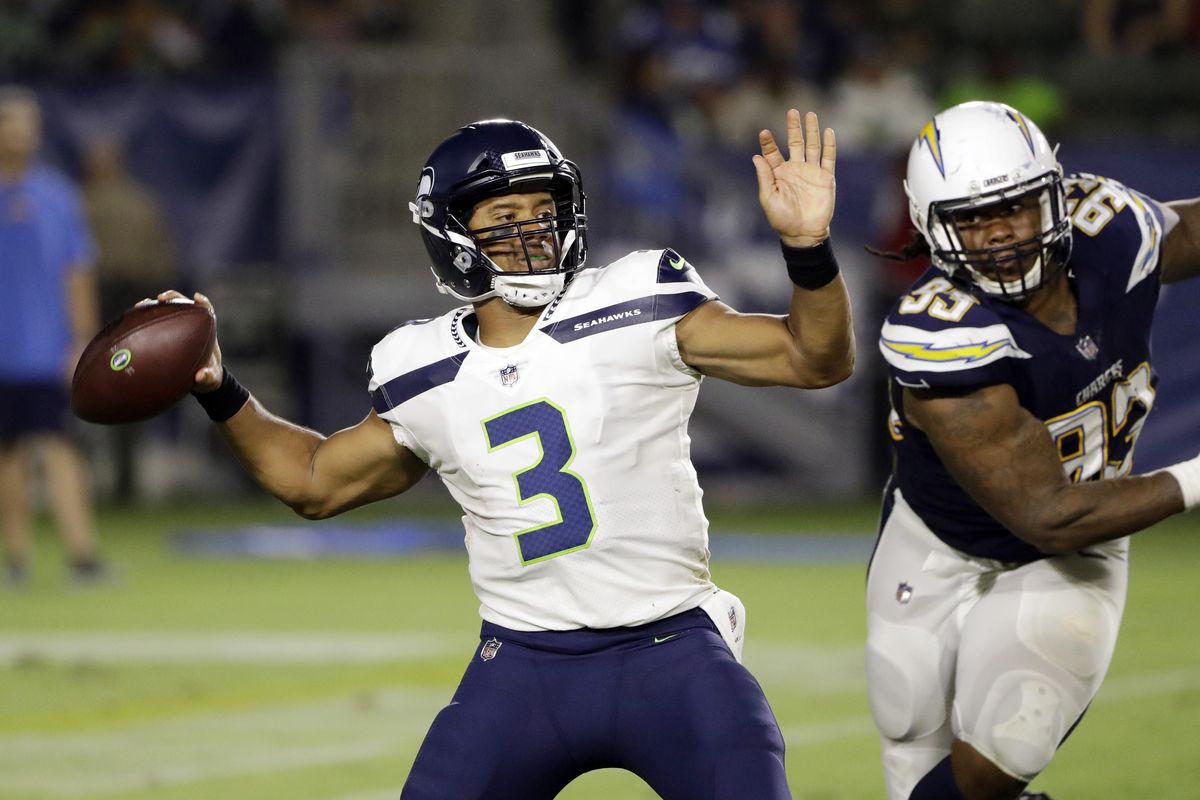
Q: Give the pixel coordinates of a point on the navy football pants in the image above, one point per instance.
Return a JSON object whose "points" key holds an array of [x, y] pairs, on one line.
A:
{"points": [[546, 707]]}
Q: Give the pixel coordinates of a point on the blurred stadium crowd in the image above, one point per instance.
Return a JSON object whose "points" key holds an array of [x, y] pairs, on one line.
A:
{"points": [[698, 67], [692, 61], [276, 138], [691, 76]]}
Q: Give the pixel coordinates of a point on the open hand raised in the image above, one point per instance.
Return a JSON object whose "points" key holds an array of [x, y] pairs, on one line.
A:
{"points": [[797, 193]]}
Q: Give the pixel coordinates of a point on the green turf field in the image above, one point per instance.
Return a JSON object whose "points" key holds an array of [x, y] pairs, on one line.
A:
{"points": [[190, 679]]}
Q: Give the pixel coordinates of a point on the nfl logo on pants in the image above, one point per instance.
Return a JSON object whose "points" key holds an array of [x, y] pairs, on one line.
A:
{"points": [[489, 649]]}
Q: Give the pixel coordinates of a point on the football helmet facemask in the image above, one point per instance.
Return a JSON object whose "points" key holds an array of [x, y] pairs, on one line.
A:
{"points": [[486, 159], [977, 159]]}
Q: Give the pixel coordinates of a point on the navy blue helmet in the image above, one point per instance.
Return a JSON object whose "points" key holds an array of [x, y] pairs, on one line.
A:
{"points": [[486, 159]]}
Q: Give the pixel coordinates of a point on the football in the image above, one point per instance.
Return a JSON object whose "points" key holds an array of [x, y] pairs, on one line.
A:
{"points": [[143, 362]]}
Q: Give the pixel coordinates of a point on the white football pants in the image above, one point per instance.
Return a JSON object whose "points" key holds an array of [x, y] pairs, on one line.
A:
{"points": [[1005, 657]]}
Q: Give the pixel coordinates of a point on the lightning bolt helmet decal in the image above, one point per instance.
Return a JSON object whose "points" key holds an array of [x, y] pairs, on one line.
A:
{"points": [[931, 137]]}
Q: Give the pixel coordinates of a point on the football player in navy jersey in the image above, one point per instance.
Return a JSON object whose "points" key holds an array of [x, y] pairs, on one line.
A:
{"points": [[1021, 375], [554, 406]]}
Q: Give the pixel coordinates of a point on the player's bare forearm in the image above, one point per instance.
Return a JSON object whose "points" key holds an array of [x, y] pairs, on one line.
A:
{"points": [[1004, 458], [772, 350], [822, 330], [1079, 515], [320, 476], [1181, 248]]}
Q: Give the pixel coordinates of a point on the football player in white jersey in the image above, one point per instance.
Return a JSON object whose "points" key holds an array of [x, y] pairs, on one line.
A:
{"points": [[1021, 377], [554, 406]]}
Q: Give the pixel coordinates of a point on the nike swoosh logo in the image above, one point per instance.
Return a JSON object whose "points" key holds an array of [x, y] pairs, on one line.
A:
{"points": [[661, 639], [677, 263]]}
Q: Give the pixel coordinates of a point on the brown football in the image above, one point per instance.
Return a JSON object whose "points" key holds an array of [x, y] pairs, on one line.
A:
{"points": [[142, 363]]}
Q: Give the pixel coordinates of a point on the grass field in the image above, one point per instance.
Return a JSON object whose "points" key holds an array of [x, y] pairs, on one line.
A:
{"points": [[315, 680]]}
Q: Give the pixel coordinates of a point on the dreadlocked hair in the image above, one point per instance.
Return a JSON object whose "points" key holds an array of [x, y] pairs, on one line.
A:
{"points": [[916, 248]]}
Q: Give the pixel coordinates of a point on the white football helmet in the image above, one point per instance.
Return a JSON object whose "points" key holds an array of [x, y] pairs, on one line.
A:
{"points": [[977, 155]]}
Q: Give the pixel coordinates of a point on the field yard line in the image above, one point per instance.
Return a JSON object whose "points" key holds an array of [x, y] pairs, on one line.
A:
{"points": [[194, 748], [1118, 689], [1150, 684], [199, 747], [819, 669], [254, 647]]}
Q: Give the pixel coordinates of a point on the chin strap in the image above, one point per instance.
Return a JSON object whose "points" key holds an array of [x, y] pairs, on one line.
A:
{"points": [[528, 291]]}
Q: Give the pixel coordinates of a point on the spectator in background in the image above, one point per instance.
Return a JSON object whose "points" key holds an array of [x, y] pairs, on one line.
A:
{"points": [[767, 85], [1135, 27], [698, 41], [878, 101], [800, 35], [647, 167], [24, 48], [241, 35], [136, 252], [124, 37], [697, 47], [136, 257], [1002, 79], [47, 314]]}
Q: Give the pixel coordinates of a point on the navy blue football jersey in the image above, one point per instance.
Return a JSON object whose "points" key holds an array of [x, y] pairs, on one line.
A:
{"points": [[1093, 389]]}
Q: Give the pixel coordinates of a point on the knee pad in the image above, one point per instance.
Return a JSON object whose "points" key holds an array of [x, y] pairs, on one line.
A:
{"points": [[1023, 718], [907, 693]]}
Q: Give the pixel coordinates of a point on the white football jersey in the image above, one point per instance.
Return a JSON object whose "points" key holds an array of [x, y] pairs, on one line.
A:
{"points": [[569, 453]]}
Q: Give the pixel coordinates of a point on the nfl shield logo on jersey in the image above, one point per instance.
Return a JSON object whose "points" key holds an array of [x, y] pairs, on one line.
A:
{"points": [[1087, 348], [490, 648], [509, 375], [903, 593]]}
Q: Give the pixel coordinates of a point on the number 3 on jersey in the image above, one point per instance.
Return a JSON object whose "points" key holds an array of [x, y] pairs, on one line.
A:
{"points": [[547, 479]]}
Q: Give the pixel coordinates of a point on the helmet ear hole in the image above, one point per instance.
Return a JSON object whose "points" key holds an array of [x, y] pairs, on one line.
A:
{"points": [[463, 260]]}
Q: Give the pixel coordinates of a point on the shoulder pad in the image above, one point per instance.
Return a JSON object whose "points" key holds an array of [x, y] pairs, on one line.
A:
{"points": [[1121, 228], [644, 286], [416, 344], [941, 334]]}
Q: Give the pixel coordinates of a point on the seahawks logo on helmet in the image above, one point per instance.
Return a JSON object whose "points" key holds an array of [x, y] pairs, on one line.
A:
{"points": [[423, 208]]}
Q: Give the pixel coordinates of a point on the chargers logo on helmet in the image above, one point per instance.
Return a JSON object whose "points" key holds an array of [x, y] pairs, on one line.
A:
{"points": [[931, 137], [1017, 117]]}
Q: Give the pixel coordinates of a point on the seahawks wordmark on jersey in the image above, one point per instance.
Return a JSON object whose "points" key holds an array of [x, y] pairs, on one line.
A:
{"points": [[1092, 388], [569, 453]]}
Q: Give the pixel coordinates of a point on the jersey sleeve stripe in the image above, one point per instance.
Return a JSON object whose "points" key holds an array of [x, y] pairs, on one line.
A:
{"points": [[1150, 223], [403, 388], [917, 350], [621, 315]]}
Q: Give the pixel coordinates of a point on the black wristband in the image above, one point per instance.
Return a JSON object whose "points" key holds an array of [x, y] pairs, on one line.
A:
{"points": [[226, 400], [810, 267]]}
